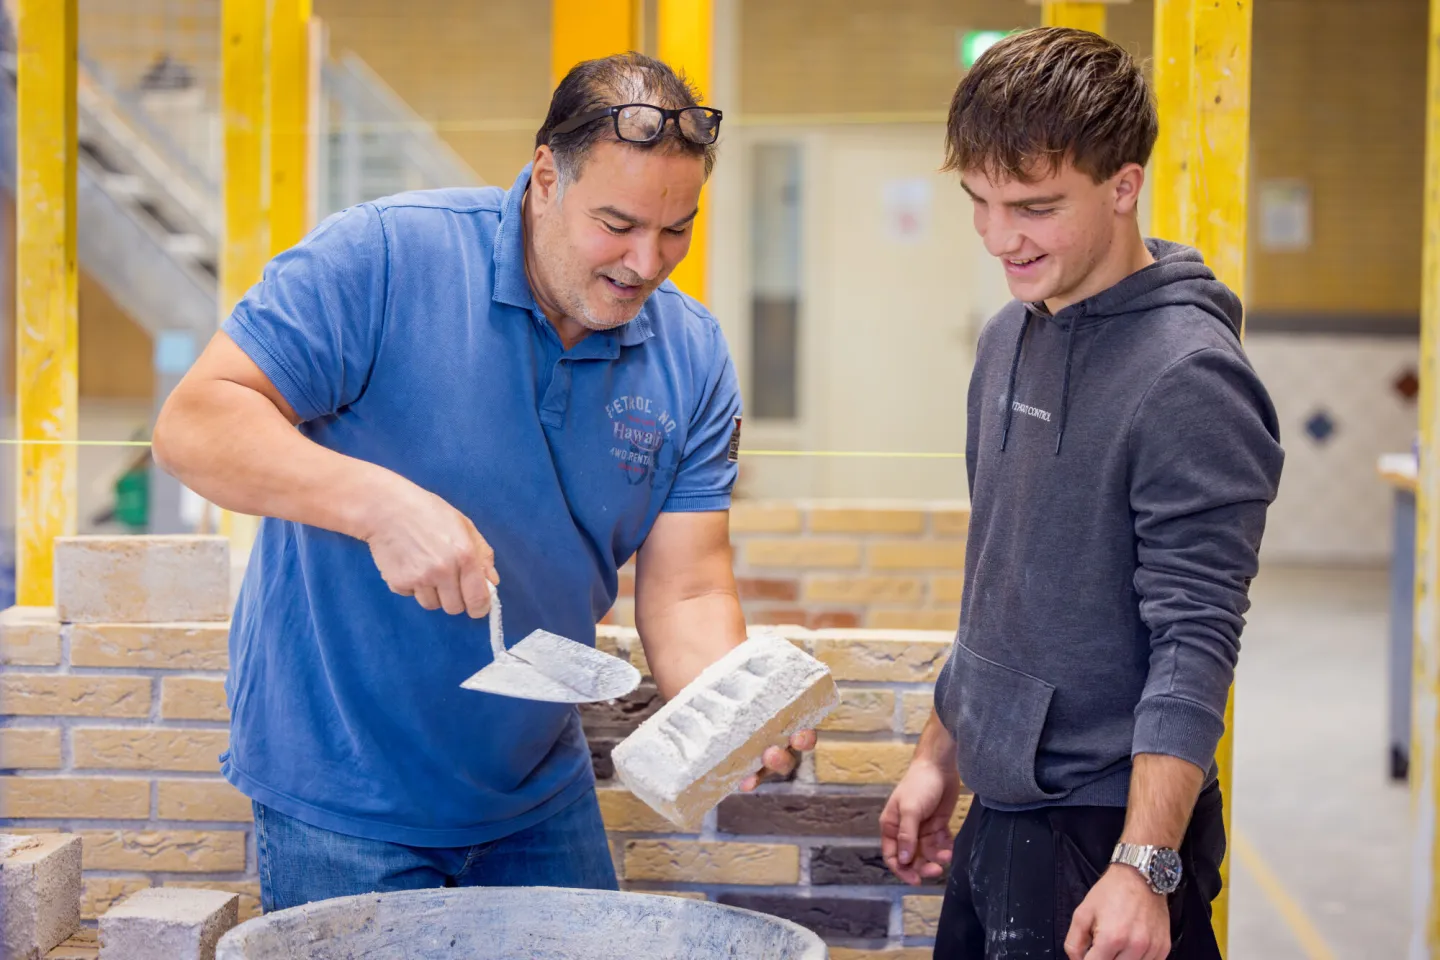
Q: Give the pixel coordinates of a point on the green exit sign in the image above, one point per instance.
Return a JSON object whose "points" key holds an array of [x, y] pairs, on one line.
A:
{"points": [[973, 43]]}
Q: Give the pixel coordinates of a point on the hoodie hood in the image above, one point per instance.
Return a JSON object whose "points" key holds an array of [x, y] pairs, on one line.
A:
{"points": [[1179, 277]]}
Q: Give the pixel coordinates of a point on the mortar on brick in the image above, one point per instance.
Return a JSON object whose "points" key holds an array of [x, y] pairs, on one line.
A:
{"points": [[699, 747], [169, 922], [40, 889]]}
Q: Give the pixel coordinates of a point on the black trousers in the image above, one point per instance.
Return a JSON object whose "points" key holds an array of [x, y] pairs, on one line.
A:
{"points": [[1017, 879]]}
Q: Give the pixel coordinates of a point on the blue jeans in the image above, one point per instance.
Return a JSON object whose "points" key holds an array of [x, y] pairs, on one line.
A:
{"points": [[300, 863]]}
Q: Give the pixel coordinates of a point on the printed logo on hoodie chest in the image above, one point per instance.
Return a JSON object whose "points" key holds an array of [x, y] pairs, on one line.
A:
{"points": [[1020, 406]]}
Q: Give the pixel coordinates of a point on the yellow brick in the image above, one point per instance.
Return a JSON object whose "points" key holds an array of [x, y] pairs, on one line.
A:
{"points": [[917, 555], [922, 914], [249, 891], [102, 893], [193, 698], [840, 762], [861, 711], [29, 748], [203, 800], [89, 798], [29, 637], [623, 613], [166, 646], [913, 619], [866, 520], [952, 523], [623, 812], [876, 656], [899, 953], [916, 708], [764, 517], [84, 944], [681, 894], [864, 589], [947, 589], [147, 748], [697, 861], [71, 696], [962, 810], [168, 851], [803, 553]]}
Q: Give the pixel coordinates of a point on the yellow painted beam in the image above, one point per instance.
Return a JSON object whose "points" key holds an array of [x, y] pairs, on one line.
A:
{"points": [[1425, 732], [289, 97], [1172, 192], [46, 314], [1081, 16], [586, 29], [246, 243], [685, 31]]}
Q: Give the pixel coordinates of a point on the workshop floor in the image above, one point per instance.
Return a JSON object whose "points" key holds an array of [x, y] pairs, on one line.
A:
{"points": [[1321, 856]]}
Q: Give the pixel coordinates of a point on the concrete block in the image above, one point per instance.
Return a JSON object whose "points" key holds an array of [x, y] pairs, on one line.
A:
{"points": [[40, 890], [699, 747], [142, 579], [168, 923]]}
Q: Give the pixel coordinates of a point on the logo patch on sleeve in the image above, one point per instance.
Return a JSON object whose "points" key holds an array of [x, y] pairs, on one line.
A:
{"points": [[735, 442]]}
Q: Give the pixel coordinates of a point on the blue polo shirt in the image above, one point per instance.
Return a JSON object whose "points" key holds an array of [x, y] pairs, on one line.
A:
{"points": [[404, 333]]}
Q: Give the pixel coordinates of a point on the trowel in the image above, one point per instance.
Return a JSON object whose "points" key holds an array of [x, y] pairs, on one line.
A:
{"points": [[546, 666]]}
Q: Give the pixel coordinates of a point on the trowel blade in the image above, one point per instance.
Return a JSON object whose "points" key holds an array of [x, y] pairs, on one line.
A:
{"points": [[545, 666]]}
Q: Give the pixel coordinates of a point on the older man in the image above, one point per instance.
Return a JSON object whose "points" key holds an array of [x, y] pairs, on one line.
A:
{"points": [[484, 383]]}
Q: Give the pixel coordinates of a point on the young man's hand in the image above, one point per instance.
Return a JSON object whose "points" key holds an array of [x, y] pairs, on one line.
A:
{"points": [[1120, 919], [915, 839]]}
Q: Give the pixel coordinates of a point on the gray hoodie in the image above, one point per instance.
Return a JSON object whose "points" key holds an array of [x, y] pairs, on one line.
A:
{"points": [[1121, 457]]}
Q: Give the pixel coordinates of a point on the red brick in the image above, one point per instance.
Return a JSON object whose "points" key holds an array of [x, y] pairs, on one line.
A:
{"points": [[760, 588]]}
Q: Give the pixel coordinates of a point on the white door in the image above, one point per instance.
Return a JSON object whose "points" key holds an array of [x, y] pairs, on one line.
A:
{"points": [[896, 294]]}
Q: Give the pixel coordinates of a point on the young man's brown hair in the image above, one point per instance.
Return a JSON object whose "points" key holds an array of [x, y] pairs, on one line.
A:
{"points": [[1042, 97]]}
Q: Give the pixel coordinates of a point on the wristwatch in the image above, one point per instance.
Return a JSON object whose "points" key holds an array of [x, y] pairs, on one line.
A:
{"points": [[1160, 866]]}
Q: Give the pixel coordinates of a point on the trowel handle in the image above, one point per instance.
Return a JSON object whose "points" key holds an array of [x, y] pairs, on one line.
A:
{"points": [[497, 631]]}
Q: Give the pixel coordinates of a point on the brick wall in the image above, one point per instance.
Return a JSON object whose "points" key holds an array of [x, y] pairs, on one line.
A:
{"points": [[806, 849], [831, 564], [112, 730]]}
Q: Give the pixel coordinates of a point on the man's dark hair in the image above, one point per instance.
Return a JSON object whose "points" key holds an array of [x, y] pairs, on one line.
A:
{"points": [[1044, 97], [611, 81]]}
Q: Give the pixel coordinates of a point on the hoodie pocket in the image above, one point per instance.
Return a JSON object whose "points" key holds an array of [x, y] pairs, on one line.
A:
{"points": [[999, 714]]}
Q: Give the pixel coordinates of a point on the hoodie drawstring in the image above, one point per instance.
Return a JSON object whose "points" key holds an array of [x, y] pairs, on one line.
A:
{"points": [[1010, 391], [1065, 387]]}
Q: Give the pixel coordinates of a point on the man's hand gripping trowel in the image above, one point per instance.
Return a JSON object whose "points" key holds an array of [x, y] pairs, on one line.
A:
{"points": [[546, 666]]}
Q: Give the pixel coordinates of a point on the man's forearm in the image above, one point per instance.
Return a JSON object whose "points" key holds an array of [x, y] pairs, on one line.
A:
{"points": [[936, 744], [232, 446], [689, 634], [1163, 791]]}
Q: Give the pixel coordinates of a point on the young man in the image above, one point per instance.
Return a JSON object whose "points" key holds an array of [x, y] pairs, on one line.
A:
{"points": [[431, 390], [1121, 457]]}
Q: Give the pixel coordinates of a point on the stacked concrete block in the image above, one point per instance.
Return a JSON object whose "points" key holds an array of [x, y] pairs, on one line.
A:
{"points": [[808, 848], [167, 924], [39, 893], [827, 564], [113, 718], [698, 748]]}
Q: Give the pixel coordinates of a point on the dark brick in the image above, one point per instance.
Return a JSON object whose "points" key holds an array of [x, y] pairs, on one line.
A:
{"points": [[620, 717], [756, 588], [851, 815], [855, 866], [776, 616], [826, 916], [600, 748]]}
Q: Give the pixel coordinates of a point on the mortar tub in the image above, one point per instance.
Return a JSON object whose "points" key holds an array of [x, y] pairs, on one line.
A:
{"points": [[518, 923]]}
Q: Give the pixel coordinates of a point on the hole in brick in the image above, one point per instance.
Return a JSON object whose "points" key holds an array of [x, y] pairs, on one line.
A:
{"points": [[732, 687], [682, 746], [760, 666], [710, 707]]}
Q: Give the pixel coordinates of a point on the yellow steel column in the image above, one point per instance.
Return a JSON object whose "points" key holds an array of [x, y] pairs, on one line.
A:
{"points": [[1425, 735], [1081, 16], [246, 244], [586, 29], [685, 29], [46, 316], [289, 96], [1219, 155], [1172, 191]]}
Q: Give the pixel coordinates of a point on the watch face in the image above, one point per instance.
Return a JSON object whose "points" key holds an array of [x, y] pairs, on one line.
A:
{"points": [[1165, 871]]}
